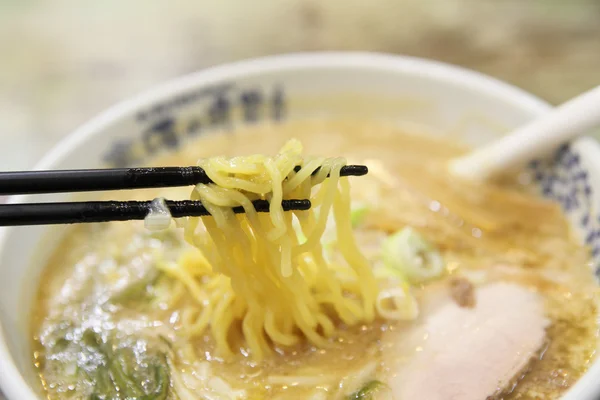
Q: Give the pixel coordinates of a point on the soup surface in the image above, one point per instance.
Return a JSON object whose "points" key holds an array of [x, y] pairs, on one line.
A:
{"points": [[512, 317]]}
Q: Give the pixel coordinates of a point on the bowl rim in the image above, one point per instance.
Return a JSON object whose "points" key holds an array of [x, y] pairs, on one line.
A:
{"points": [[13, 384]]}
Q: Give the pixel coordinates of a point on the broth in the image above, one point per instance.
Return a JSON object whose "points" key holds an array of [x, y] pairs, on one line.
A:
{"points": [[101, 293]]}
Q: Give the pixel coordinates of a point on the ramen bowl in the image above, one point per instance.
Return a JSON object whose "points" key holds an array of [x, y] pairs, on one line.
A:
{"points": [[441, 99]]}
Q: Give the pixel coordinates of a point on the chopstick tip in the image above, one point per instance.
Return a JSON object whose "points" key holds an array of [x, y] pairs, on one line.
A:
{"points": [[354, 170]]}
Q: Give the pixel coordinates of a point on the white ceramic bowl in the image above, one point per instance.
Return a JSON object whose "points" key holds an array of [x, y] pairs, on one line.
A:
{"points": [[472, 107]]}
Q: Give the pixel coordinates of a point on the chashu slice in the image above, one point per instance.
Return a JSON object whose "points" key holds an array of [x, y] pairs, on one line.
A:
{"points": [[456, 353]]}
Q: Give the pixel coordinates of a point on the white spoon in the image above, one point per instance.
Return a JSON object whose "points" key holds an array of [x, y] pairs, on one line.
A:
{"points": [[537, 138]]}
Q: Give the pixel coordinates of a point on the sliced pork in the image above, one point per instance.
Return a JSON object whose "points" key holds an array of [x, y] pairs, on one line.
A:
{"points": [[457, 353]]}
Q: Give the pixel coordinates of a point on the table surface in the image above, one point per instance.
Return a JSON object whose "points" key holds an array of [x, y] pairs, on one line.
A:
{"points": [[64, 61]]}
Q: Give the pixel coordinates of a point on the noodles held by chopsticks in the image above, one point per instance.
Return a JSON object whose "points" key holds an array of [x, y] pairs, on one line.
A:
{"points": [[253, 269]]}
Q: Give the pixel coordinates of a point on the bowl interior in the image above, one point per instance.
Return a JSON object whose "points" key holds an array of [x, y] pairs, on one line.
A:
{"points": [[445, 100]]}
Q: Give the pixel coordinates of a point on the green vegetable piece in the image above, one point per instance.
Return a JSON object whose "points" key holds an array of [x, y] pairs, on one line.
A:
{"points": [[120, 377], [57, 340], [60, 344], [137, 291], [110, 389], [92, 340], [358, 214], [127, 379], [369, 391], [161, 379], [103, 385], [409, 255], [111, 367]]}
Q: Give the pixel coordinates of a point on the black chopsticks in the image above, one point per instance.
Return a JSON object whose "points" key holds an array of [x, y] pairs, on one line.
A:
{"points": [[103, 211], [91, 180]]}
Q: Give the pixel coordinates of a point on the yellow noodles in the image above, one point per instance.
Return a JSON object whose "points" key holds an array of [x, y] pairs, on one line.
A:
{"points": [[251, 268]]}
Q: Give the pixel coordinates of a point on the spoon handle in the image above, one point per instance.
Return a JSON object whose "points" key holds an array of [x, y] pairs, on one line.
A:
{"points": [[537, 138]]}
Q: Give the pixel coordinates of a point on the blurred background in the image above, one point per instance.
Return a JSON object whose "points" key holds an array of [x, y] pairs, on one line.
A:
{"points": [[63, 61]]}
